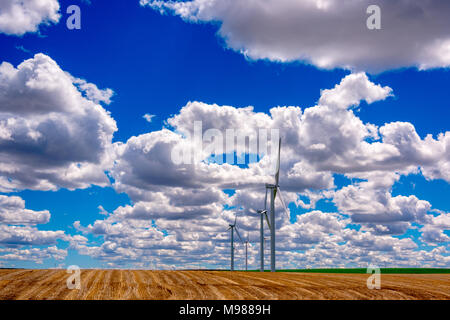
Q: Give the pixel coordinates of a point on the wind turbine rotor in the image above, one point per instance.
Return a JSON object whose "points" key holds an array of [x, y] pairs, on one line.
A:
{"points": [[277, 173], [237, 232], [267, 219], [273, 191], [283, 203], [265, 201]]}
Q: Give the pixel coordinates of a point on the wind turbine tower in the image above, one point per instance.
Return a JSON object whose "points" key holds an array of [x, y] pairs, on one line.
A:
{"points": [[233, 228], [246, 253], [262, 213]]}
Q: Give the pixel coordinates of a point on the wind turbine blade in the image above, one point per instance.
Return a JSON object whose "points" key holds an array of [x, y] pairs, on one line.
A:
{"points": [[265, 201], [251, 210], [237, 232], [277, 173], [284, 204], [267, 219]]}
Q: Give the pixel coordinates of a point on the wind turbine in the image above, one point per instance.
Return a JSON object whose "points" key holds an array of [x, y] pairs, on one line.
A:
{"points": [[246, 253], [233, 228], [274, 189], [262, 213], [265, 241]]}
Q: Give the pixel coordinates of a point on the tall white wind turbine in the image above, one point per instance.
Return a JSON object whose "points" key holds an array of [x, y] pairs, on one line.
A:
{"points": [[246, 253], [274, 189]]}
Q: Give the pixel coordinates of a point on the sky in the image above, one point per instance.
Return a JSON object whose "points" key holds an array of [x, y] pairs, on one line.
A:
{"points": [[90, 119]]}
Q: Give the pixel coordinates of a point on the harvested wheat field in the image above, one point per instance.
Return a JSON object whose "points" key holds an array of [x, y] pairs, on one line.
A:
{"points": [[22, 284]]}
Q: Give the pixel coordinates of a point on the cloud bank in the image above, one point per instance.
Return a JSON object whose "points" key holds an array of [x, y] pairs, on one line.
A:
{"points": [[21, 240], [54, 133], [180, 212], [326, 33]]}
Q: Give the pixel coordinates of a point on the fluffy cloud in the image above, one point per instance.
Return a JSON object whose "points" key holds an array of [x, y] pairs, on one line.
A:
{"points": [[313, 227], [14, 236], [327, 34], [21, 240], [333, 138], [370, 203], [19, 235], [36, 255], [352, 90], [13, 211], [53, 131], [145, 165], [378, 243], [18, 17], [433, 232], [432, 155], [148, 117]]}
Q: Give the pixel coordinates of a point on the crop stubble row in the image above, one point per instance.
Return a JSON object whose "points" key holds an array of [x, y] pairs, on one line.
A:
{"points": [[143, 284]]}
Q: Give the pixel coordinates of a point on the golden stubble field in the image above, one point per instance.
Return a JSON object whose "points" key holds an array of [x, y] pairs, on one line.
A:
{"points": [[20, 284]]}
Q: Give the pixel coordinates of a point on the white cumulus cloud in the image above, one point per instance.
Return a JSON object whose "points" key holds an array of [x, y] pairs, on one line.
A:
{"points": [[53, 131], [13, 211], [18, 17]]}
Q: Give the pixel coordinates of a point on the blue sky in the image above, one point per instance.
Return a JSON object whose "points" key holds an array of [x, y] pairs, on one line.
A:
{"points": [[156, 63]]}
